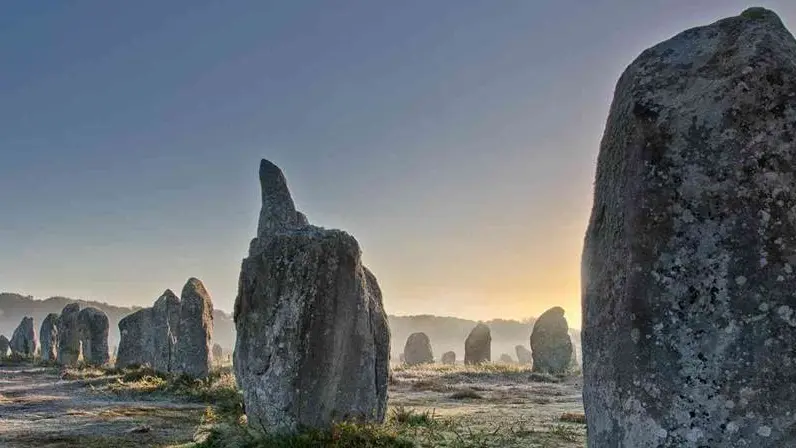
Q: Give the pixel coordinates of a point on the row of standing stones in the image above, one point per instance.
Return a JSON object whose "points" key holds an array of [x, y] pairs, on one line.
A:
{"points": [[551, 347], [62, 338], [687, 269]]}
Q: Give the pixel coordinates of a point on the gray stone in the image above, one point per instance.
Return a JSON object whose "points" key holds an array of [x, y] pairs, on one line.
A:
{"points": [[523, 355], [69, 335], [4, 343], [505, 358], [418, 349], [135, 343], [551, 346], [688, 272], [23, 341], [448, 358], [478, 345], [218, 353], [165, 317], [94, 326], [192, 354], [312, 338], [48, 338]]}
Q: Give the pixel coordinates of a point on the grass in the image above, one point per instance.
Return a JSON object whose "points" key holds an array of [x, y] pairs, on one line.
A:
{"points": [[573, 417], [465, 394]]}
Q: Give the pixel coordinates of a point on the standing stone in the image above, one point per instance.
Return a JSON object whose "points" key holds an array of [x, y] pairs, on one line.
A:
{"points": [[505, 358], [448, 358], [4, 343], [551, 346], [193, 357], [23, 341], [69, 335], [94, 326], [48, 338], [165, 329], [478, 345], [418, 349], [523, 355], [689, 262], [312, 338], [135, 343], [218, 353]]}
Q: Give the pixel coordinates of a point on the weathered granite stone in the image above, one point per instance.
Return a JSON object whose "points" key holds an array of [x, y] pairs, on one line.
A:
{"points": [[523, 355], [69, 335], [505, 358], [418, 349], [4, 343], [165, 329], [312, 338], [448, 358], [23, 341], [94, 326], [48, 338], [192, 354], [135, 343], [478, 345], [551, 346], [689, 263]]}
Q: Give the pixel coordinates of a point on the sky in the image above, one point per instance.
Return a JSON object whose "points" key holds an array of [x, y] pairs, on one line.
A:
{"points": [[455, 139]]}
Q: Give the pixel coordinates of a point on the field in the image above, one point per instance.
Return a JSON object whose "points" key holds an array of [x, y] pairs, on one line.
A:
{"points": [[494, 405]]}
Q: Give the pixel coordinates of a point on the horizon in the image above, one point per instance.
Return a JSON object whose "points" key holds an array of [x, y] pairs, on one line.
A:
{"points": [[456, 144]]}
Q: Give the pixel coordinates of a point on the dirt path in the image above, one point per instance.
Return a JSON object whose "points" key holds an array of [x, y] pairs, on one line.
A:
{"points": [[39, 409]]}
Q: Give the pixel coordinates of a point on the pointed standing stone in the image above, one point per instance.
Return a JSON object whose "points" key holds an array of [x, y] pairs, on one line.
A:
{"points": [[193, 357], [4, 343], [478, 345], [165, 328], [23, 341], [48, 338], [689, 263], [551, 346]]}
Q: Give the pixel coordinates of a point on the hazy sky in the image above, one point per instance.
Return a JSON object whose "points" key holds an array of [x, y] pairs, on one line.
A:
{"points": [[455, 139]]}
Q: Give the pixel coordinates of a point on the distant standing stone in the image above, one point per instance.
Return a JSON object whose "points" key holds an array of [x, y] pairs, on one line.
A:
{"points": [[165, 317], [4, 343], [505, 358], [689, 262], [523, 355], [418, 349], [478, 345], [193, 354], [135, 341], [69, 335], [94, 326], [312, 342], [23, 341], [218, 353], [448, 358], [48, 338], [551, 346]]}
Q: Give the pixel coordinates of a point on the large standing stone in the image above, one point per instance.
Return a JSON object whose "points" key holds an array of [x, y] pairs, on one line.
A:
{"points": [[23, 341], [94, 326], [48, 338], [193, 357], [478, 345], [689, 264], [165, 317], [418, 349], [135, 343], [551, 346], [448, 358], [4, 343], [69, 335], [312, 338], [524, 355]]}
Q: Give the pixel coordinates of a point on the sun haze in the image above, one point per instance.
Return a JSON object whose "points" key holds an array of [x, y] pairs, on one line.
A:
{"points": [[455, 140]]}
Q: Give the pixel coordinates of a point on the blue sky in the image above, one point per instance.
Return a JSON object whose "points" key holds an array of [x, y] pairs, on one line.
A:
{"points": [[455, 139]]}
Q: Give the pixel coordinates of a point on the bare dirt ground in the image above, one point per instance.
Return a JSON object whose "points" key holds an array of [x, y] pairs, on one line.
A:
{"points": [[493, 406]]}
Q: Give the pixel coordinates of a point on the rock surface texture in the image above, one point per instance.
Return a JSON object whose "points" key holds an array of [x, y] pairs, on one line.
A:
{"points": [[48, 338], [478, 345], [69, 335], [94, 326], [192, 354], [523, 355], [418, 349], [551, 347], [135, 343], [689, 263], [448, 358], [23, 341], [165, 316], [312, 338], [4, 343]]}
